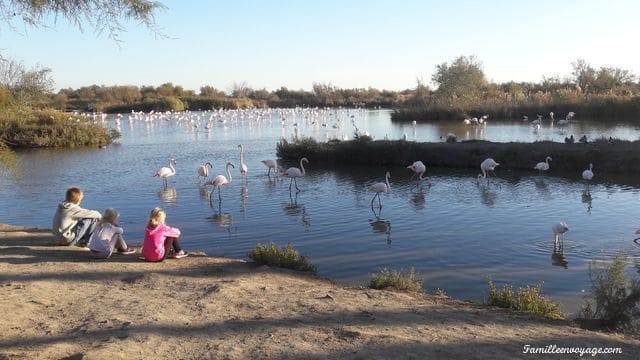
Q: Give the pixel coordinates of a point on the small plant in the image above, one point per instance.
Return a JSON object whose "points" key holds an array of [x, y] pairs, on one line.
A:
{"points": [[616, 296], [399, 280], [284, 257], [528, 299]]}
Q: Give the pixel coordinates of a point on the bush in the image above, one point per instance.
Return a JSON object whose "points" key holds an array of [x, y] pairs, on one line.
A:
{"points": [[285, 257], [399, 280], [528, 299], [616, 297]]}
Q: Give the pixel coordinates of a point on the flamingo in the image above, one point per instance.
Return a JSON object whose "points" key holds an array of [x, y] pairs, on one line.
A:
{"points": [[381, 187], [543, 166], [243, 166], [588, 175], [294, 172], [165, 172], [219, 181], [203, 170], [487, 165], [271, 164], [419, 168], [558, 231]]}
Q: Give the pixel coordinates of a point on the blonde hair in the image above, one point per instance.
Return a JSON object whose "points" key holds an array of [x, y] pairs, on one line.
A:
{"points": [[156, 217], [110, 216], [74, 195]]}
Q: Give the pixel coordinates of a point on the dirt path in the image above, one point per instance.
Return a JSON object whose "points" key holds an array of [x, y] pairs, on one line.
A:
{"points": [[58, 302]]}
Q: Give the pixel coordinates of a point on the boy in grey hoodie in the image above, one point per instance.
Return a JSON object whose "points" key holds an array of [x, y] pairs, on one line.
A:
{"points": [[72, 224]]}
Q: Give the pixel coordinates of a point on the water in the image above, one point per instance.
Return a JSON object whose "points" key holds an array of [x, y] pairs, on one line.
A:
{"points": [[456, 233]]}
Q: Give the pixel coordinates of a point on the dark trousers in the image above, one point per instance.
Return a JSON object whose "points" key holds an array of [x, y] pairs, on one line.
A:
{"points": [[171, 246], [84, 228]]}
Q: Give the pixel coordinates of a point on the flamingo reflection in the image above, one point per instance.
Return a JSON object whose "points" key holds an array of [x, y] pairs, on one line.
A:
{"points": [[224, 220], [169, 195], [295, 210], [586, 199], [380, 225]]}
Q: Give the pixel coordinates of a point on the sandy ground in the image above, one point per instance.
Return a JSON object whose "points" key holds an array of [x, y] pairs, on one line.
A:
{"points": [[57, 302]]}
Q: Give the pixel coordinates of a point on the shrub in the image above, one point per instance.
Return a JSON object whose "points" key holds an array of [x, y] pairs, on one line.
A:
{"points": [[284, 257], [616, 296], [528, 299], [399, 280]]}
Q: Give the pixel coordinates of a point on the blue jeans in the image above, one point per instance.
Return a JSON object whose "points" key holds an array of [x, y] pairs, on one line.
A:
{"points": [[84, 229]]}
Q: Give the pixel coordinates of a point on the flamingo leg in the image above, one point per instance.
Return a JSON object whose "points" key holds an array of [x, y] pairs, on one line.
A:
{"points": [[296, 181], [219, 197], [291, 183]]}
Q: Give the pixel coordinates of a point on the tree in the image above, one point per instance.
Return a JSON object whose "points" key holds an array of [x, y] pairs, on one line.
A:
{"points": [[26, 85], [583, 75], [101, 15], [459, 83]]}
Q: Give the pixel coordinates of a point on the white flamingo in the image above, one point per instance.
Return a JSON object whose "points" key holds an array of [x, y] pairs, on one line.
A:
{"points": [[165, 172], [219, 181], [271, 164], [243, 166], [419, 168], [588, 175], [543, 166], [487, 165], [203, 170], [294, 172], [558, 231], [381, 187]]}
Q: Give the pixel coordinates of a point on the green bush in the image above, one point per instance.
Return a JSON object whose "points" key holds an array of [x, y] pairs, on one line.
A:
{"points": [[616, 296], [528, 299], [399, 280], [284, 257]]}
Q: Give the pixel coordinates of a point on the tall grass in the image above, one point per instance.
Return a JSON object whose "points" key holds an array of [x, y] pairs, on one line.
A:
{"points": [[528, 299], [285, 257], [399, 280], [27, 128], [615, 295], [615, 157]]}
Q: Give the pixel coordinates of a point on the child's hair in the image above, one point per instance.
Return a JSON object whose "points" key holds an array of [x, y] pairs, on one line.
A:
{"points": [[110, 216], [156, 217], [74, 195]]}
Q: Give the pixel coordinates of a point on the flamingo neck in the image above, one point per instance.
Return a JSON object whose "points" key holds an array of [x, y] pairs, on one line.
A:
{"points": [[386, 180], [302, 167], [228, 173], [241, 155], [173, 170]]}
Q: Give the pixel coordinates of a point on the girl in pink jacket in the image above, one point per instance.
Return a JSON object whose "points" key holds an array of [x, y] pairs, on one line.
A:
{"points": [[160, 240]]}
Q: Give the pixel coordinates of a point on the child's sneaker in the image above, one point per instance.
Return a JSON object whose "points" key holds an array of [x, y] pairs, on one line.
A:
{"points": [[180, 255], [127, 251]]}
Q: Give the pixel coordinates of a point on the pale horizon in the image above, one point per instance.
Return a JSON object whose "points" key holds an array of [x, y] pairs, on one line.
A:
{"points": [[356, 44]]}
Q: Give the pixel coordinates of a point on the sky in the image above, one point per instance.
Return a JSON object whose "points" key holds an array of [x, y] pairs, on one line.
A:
{"points": [[383, 44]]}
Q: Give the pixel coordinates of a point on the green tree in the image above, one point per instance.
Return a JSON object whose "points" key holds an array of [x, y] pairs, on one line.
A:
{"points": [[460, 83], [583, 75]]}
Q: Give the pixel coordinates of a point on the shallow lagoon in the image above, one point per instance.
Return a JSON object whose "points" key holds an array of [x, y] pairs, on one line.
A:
{"points": [[454, 233]]}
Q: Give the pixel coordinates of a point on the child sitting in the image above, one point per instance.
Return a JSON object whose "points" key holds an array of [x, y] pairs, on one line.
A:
{"points": [[108, 236], [72, 224], [160, 240]]}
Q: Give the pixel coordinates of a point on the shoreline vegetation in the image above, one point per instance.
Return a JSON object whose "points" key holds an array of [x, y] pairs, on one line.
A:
{"points": [[607, 156], [228, 308]]}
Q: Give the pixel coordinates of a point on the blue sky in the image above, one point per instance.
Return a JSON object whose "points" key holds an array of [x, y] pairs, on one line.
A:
{"points": [[349, 43]]}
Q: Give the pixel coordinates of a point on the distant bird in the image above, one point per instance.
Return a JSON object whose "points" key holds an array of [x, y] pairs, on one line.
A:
{"points": [[565, 121], [381, 187], [165, 172], [558, 231], [219, 181], [270, 164], [203, 170], [419, 168], [243, 166], [551, 115], [583, 139], [486, 166], [569, 140], [525, 118], [588, 175], [294, 172], [543, 166]]}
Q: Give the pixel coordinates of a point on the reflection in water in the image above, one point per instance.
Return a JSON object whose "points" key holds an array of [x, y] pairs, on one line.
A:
{"points": [[557, 257], [586, 199], [244, 195], [224, 220], [487, 197], [169, 195], [295, 210], [418, 200], [540, 184], [379, 225], [204, 192]]}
